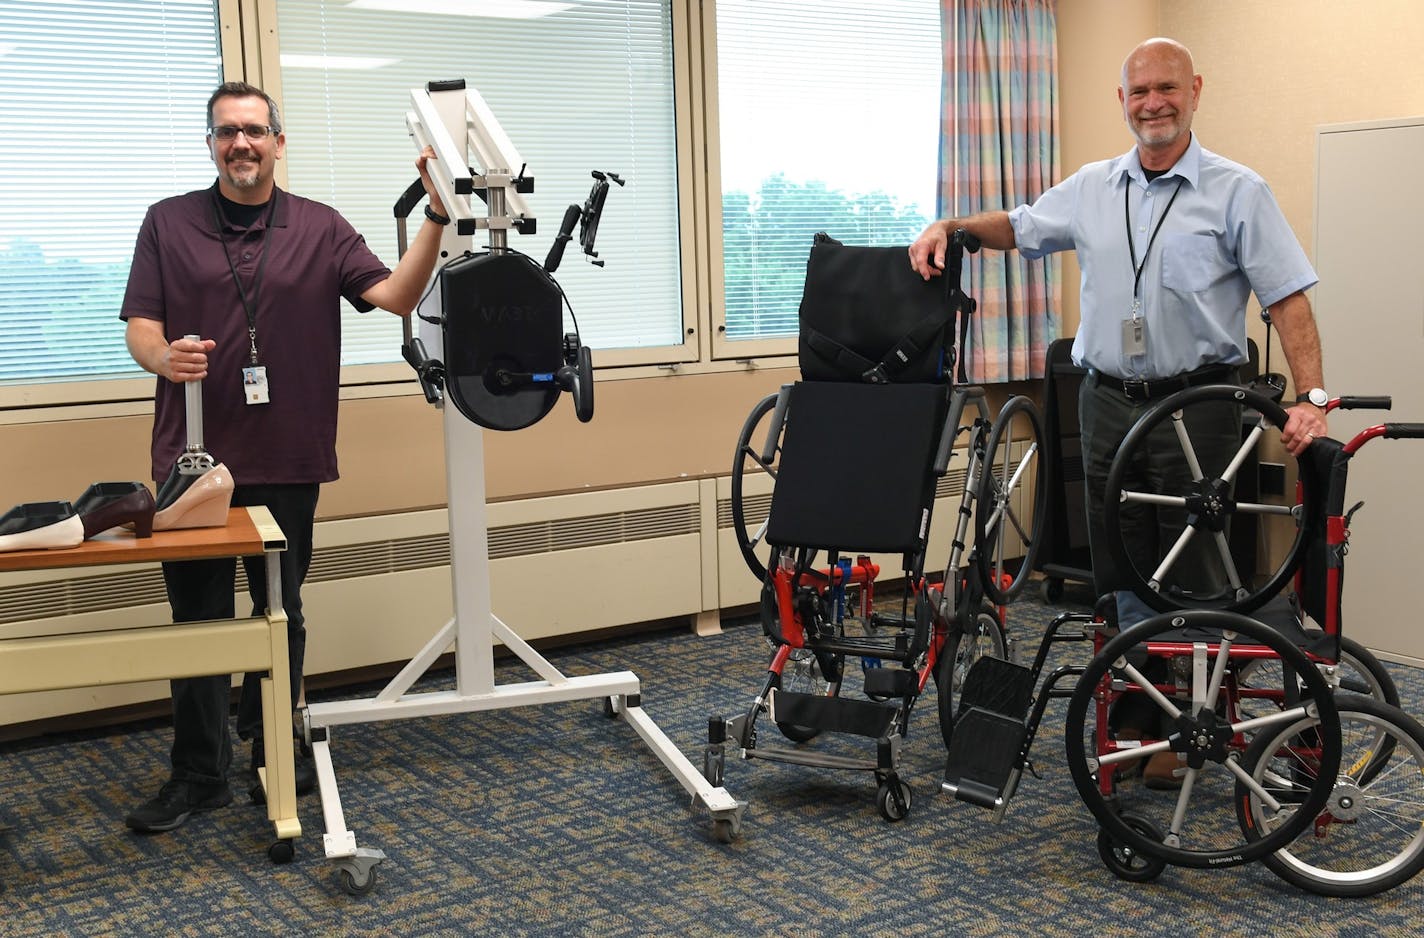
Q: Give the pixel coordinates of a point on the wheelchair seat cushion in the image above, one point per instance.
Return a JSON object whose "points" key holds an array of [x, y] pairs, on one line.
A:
{"points": [[867, 316], [856, 466]]}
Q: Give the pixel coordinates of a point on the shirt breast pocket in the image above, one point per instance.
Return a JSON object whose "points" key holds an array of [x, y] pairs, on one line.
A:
{"points": [[1193, 262]]}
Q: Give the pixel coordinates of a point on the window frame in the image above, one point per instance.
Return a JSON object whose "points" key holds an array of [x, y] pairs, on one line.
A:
{"points": [[248, 40]]}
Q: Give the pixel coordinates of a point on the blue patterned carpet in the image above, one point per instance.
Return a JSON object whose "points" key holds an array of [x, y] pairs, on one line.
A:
{"points": [[557, 820]]}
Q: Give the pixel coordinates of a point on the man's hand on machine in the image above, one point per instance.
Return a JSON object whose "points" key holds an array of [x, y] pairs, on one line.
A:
{"points": [[1304, 422], [426, 155]]}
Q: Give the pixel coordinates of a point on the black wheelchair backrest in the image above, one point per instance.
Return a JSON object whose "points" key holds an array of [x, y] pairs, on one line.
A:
{"points": [[867, 316]]}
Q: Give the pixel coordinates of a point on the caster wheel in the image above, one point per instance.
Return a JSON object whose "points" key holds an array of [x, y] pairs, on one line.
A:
{"points": [[712, 768], [281, 852], [1052, 590], [893, 799], [357, 885], [1126, 862], [257, 794], [722, 831]]}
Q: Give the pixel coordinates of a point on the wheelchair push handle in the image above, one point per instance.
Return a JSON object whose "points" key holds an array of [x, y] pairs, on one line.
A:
{"points": [[1357, 402], [1404, 431]]}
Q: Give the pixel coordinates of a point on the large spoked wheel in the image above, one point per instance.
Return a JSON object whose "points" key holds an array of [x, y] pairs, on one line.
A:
{"points": [[1011, 501], [1370, 835], [1358, 671], [1192, 680], [802, 674], [1170, 499], [982, 638], [754, 477]]}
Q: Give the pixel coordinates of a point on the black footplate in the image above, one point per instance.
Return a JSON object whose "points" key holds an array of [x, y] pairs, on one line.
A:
{"points": [[836, 714], [989, 730]]}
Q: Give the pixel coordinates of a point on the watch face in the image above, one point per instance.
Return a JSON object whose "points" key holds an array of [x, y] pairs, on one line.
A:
{"points": [[1318, 397]]}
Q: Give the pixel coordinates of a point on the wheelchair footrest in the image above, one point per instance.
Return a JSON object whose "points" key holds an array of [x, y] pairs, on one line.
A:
{"points": [[982, 755], [836, 714], [998, 686]]}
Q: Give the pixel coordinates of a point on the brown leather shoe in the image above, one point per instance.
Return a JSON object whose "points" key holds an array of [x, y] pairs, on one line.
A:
{"points": [[1160, 774]]}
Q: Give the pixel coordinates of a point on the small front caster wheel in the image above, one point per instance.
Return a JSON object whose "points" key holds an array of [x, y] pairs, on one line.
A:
{"points": [[281, 851], [1126, 862], [356, 884], [722, 831], [1051, 590], [893, 799]]}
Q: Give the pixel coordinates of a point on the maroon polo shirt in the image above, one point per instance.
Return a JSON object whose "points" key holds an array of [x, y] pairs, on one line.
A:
{"points": [[180, 277]]}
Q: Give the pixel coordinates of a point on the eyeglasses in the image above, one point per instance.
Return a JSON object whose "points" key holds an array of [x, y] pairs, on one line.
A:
{"points": [[227, 132]]}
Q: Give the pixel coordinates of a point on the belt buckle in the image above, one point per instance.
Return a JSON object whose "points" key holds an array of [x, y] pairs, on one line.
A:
{"points": [[1136, 390]]}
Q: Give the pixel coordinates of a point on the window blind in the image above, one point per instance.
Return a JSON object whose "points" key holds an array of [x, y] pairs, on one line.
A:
{"points": [[103, 110], [829, 115], [577, 86]]}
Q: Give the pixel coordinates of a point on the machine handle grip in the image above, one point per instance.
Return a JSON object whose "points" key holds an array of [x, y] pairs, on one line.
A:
{"points": [[1404, 431], [1378, 402], [566, 233], [409, 199]]}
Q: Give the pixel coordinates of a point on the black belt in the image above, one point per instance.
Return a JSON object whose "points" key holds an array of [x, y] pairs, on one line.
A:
{"points": [[1161, 387]]}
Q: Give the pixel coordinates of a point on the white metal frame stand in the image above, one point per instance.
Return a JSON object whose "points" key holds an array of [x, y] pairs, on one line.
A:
{"points": [[442, 116]]}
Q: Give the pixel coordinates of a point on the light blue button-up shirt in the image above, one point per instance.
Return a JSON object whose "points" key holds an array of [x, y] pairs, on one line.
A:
{"points": [[1223, 238]]}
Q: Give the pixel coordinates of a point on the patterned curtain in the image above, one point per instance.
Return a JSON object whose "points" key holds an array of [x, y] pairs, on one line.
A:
{"points": [[999, 149]]}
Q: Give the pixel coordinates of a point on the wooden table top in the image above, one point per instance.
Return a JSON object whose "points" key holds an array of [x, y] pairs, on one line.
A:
{"points": [[248, 531]]}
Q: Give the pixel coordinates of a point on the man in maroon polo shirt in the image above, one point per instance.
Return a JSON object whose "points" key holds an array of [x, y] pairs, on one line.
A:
{"points": [[259, 274]]}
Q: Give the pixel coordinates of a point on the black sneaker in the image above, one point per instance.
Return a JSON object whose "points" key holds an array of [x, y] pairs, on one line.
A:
{"points": [[305, 771], [176, 800]]}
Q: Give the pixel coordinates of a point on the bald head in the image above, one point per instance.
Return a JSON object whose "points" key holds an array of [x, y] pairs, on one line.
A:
{"points": [[1159, 94]]}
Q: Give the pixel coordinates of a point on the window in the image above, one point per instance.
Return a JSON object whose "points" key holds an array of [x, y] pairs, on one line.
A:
{"points": [[829, 121], [577, 86], [103, 114]]}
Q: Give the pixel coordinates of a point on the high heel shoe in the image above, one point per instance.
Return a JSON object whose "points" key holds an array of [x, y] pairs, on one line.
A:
{"points": [[202, 502], [41, 526], [106, 505]]}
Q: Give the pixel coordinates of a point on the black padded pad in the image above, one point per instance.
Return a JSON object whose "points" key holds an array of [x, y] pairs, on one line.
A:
{"points": [[856, 466], [858, 308]]}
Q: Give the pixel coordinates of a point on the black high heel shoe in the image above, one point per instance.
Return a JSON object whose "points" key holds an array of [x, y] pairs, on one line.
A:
{"points": [[106, 505]]}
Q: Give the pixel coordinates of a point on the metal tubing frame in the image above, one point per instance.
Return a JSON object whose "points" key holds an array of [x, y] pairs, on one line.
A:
{"points": [[474, 629]]}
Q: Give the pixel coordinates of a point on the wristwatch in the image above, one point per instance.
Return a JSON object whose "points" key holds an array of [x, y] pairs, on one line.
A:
{"points": [[1316, 396]]}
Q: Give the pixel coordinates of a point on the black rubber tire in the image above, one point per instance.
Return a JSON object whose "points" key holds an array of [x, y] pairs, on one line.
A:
{"points": [[1379, 792], [354, 887], [1051, 592], [961, 650], [583, 385], [993, 505], [1126, 863], [281, 851], [1136, 438], [885, 799], [746, 458], [1109, 809]]}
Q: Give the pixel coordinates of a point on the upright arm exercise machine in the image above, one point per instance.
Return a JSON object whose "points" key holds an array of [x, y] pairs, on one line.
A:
{"points": [[494, 321]]}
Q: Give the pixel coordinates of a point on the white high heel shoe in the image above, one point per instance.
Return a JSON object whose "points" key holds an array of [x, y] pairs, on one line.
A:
{"points": [[41, 526], [204, 503]]}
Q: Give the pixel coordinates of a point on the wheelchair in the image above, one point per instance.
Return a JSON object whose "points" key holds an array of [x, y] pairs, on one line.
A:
{"points": [[1290, 745], [876, 352]]}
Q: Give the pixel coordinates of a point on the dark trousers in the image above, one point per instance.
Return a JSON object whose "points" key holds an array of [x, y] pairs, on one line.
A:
{"points": [[203, 589], [1147, 531]]}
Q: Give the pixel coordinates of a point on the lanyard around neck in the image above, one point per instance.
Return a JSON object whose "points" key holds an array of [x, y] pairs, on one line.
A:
{"points": [[248, 306], [1131, 249]]}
